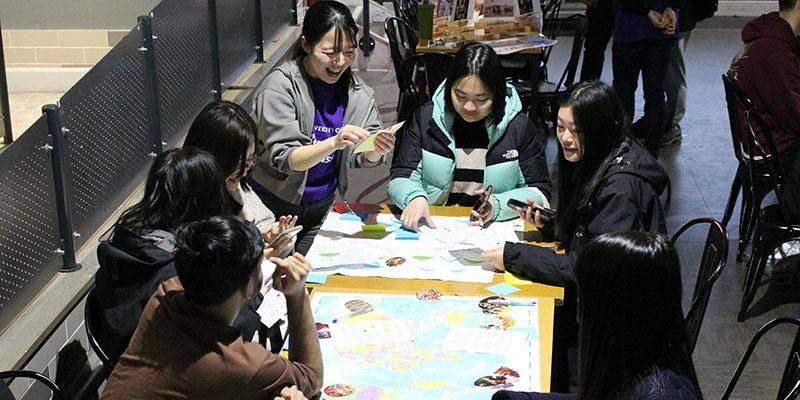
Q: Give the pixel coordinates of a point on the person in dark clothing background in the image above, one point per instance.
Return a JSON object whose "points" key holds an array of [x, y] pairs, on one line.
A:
{"points": [[633, 343], [768, 71], [182, 186], [607, 183], [645, 31], [599, 28]]}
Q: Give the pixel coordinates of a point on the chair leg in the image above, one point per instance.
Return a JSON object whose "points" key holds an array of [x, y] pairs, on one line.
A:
{"points": [[736, 187], [747, 221], [755, 268]]}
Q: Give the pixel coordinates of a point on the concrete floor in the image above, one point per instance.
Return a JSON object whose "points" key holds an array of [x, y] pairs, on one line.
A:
{"points": [[701, 169]]}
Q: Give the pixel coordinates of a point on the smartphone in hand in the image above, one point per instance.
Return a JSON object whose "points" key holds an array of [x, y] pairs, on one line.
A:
{"points": [[284, 241], [546, 214], [481, 204]]}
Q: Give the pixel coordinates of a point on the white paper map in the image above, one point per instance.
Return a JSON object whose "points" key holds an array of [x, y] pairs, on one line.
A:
{"points": [[450, 252], [428, 367]]}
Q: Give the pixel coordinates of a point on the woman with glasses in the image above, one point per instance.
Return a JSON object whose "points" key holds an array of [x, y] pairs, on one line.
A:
{"points": [[225, 130]]}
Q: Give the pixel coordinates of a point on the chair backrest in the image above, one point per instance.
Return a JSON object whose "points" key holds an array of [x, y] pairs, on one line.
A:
{"points": [[6, 393], [402, 44], [407, 11], [712, 262], [425, 72], [756, 152], [790, 382], [579, 22], [91, 315], [550, 25]]}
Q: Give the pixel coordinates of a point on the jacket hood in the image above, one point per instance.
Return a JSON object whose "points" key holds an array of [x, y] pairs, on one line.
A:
{"points": [[445, 120], [632, 158], [770, 25], [131, 257]]}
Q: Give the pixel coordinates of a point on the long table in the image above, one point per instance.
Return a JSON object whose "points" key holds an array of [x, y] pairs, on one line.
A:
{"points": [[546, 295]]}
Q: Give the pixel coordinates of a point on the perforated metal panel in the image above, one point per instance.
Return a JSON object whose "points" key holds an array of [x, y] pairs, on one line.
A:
{"points": [[275, 15], [28, 221], [109, 140], [236, 30], [183, 63]]}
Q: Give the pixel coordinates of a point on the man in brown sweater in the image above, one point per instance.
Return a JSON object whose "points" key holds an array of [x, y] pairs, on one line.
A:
{"points": [[184, 346]]}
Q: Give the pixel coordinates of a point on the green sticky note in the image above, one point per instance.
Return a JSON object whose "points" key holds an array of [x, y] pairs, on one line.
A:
{"points": [[374, 228], [422, 258], [473, 259], [329, 254]]}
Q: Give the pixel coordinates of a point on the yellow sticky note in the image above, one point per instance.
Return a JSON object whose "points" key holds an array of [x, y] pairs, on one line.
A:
{"points": [[374, 228], [369, 143], [512, 279]]}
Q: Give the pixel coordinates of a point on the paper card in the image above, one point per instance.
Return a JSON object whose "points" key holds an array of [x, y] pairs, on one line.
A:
{"points": [[315, 277], [471, 256], [481, 340], [272, 308], [503, 289], [346, 335], [405, 234], [369, 143], [350, 217]]}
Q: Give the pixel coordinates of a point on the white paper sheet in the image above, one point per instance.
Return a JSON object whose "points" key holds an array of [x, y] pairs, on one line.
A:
{"points": [[370, 333], [272, 308]]}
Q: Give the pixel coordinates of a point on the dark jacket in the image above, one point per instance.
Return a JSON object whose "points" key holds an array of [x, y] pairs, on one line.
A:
{"points": [[424, 157], [662, 385], [626, 198], [132, 266], [768, 71]]}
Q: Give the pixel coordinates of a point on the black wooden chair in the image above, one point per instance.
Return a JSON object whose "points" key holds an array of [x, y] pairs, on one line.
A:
{"points": [[407, 11], [773, 224], [6, 394], [752, 173], [92, 322], [790, 382], [423, 72], [402, 44], [712, 262]]}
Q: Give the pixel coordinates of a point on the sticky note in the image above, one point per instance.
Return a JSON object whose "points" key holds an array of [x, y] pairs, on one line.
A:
{"points": [[316, 277], [350, 217], [512, 279], [405, 234], [503, 289]]}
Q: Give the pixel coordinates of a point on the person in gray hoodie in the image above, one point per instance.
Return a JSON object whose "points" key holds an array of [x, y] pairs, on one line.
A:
{"points": [[310, 113]]}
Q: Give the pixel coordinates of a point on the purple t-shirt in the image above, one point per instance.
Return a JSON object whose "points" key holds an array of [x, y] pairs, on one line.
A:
{"points": [[329, 103]]}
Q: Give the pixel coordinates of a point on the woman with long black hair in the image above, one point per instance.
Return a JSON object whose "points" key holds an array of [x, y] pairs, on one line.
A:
{"points": [[607, 182], [633, 343]]}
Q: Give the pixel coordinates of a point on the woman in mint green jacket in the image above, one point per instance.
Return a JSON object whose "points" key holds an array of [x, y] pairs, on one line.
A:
{"points": [[471, 135]]}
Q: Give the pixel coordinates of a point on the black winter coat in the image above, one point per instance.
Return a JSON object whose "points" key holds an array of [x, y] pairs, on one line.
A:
{"points": [[626, 198]]}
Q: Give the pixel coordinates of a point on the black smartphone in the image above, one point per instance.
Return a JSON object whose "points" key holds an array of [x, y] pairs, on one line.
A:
{"points": [[482, 203], [547, 214]]}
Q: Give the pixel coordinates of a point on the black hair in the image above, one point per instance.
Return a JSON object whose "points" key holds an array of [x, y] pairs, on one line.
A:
{"points": [[786, 5], [215, 257], [478, 59], [601, 127], [183, 185], [629, 308], [321, 18], [225, 130]]}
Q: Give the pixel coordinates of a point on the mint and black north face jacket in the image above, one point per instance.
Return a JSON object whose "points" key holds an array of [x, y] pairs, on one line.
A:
{"points": [[424, 157]]}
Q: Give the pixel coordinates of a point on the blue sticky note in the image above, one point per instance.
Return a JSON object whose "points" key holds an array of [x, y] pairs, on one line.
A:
{"points": [[503, 289], [348, 216], [316, 277], [405, 234]]}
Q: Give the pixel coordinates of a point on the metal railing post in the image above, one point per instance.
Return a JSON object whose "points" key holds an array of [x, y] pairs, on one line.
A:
{"points": [[5, 110], [259, 33], [293, 10], [213, 42], [366, 43], [57, 149], [145, 23]]}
